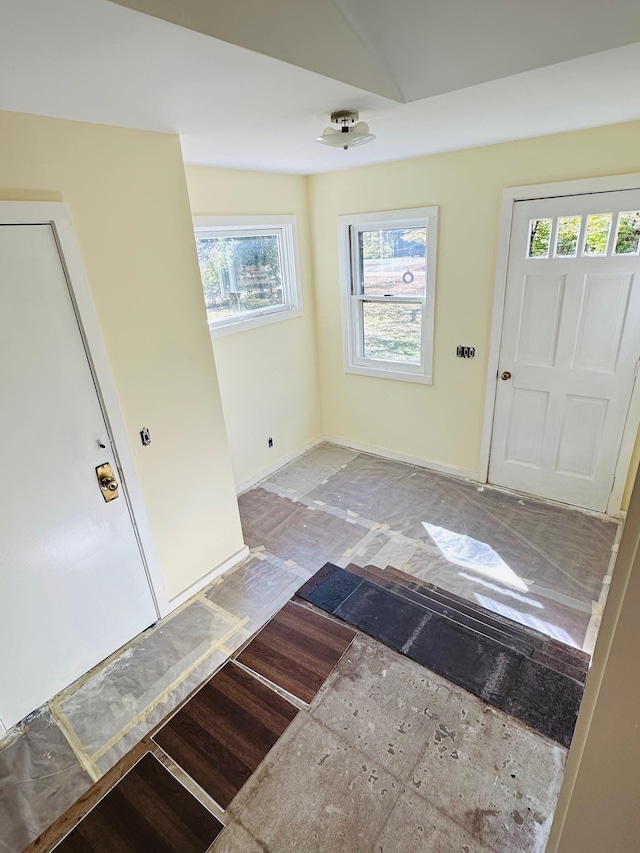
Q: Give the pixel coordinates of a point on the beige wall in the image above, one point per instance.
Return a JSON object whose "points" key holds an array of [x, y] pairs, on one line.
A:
{"points": [[440, 423], [268, 375], [128, 200], [598, 809]]}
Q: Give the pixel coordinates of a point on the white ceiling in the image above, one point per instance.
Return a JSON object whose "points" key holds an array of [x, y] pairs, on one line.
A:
{"points": [[96, 61], [428, 48]]}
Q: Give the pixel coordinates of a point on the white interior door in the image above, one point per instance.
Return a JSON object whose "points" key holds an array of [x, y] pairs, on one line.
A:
{"points": [[73, 587], [570, 346]]}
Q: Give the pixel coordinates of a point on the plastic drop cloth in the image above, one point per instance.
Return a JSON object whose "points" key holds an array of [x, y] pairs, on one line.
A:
{"points": [[40, 778], [112, 708], [312, 469], [117, 705], [494, 546]]}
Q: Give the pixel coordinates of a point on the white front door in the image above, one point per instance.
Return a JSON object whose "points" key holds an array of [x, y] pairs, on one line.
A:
{"points": [[73, 587], [570, 346]]}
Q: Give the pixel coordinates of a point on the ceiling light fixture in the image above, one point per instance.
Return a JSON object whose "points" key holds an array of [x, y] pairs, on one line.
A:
{"points": [[348, 131]]}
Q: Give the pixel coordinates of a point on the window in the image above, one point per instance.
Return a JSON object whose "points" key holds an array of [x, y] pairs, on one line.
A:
{"points": [[596, 229], [388, 263], [249, 270]]}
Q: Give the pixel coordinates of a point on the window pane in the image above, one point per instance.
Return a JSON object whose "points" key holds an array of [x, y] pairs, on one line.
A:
{"points": [[240, 274], [392, 332], [597, 237], [628, 236], [567, 238], [539, 237], [393, 261]]}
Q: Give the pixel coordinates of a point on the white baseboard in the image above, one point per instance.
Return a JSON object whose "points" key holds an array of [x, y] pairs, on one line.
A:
{"points": [[199, 585], [403, 457], [245, 485]]}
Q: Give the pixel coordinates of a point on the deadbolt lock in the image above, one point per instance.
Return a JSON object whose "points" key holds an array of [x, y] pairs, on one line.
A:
{"points": [[107, 482]]}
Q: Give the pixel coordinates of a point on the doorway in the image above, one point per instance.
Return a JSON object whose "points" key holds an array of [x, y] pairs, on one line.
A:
{"points": [[562, 424]]}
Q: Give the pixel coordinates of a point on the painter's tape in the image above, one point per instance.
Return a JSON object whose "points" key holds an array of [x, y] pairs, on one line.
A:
{"points": [[226, 614], [84, 759], [164, 695]]}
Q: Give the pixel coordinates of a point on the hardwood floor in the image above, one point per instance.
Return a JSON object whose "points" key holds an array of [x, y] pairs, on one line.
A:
{"points": [[148, 810], [297, 650], [225, 730]]}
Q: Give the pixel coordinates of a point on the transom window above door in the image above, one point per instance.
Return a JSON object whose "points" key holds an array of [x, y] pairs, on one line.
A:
{"points": [[594, 235], [387, 270]]}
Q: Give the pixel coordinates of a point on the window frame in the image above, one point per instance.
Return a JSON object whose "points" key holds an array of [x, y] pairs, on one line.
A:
{"points": [[285, 227], [353, 297]]}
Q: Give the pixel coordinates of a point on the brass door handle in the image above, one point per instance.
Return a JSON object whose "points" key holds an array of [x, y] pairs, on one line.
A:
{"points": [[505, 375], [109, 483]]}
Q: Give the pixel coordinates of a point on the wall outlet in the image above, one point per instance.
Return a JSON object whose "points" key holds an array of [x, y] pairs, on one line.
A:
{"points": [[465, 352], [270, 442]]}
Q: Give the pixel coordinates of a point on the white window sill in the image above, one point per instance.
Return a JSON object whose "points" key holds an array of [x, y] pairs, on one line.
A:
{"points": [[234, 326], [396, 373]]}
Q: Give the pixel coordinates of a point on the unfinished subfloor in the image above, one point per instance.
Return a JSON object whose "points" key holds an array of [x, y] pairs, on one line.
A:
{"points": [[542, 565]]}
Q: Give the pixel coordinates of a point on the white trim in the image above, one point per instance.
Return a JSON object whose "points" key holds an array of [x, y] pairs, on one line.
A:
{"points": [[286, 227], [526, 193], [200, 584], [250, 482], [452, 470], [57, 215], [352, 361], [625, 455]]}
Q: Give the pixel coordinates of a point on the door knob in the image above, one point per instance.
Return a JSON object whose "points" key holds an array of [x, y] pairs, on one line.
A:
{"points": [[107, 482], [505, 375]]}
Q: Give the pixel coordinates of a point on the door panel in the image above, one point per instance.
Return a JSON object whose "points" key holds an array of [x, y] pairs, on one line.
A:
{"points": [[570, 342], [73, 587], [526, 427], [601, 323], [580, 435], [541, 307]]}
